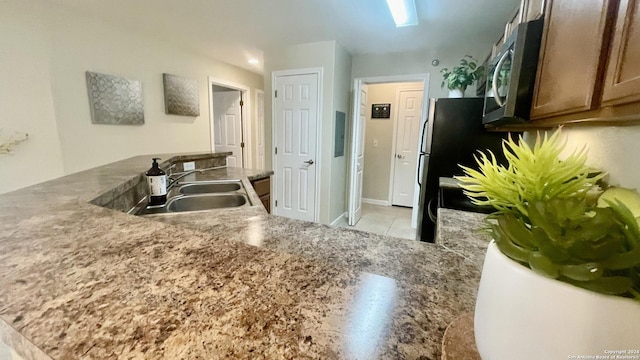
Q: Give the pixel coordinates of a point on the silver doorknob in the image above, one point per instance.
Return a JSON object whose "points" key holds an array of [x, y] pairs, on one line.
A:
{"points": [[400, 156], [310, 162]]}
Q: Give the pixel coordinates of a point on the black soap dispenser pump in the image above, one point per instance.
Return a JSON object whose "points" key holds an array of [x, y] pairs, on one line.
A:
{"points": [[157, 181]]}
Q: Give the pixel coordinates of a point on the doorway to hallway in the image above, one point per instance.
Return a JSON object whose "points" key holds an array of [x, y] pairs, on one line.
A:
{"points": [[389, 144], [230, 122]]}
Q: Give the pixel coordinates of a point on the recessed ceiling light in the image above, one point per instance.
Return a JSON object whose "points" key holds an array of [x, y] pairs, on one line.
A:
{"points": [[403, 12], [254, 61]]}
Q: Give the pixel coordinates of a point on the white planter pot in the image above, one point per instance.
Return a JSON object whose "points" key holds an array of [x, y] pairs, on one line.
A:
{"points": [[522, 315], [456, 93]]}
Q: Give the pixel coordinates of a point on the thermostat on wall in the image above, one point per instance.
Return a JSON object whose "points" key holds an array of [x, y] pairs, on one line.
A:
{"points": [[380, 111]]}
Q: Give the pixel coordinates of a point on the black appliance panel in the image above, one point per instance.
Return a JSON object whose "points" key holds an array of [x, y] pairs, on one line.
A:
{"points": [[511, 76], [456, 135]]}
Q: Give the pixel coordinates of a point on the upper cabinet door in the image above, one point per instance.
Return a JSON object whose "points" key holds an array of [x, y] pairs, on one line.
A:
{"points": [[622, 82], [571, 55]]}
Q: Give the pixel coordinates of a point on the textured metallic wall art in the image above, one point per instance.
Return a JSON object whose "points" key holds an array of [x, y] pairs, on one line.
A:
{"points": [[181, 96], [114, 100]]}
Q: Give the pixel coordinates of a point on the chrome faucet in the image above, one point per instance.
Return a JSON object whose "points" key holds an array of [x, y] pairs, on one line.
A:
{"points": [[173, 181]]}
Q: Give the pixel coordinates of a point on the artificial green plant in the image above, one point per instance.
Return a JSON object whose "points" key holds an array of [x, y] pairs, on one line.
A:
{"points": [[547, 216], [460, 77]]}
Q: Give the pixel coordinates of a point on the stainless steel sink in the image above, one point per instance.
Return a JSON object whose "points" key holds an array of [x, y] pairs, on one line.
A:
{"points": [[197, 196], [210, 187], [183, 203], [205, 202]]}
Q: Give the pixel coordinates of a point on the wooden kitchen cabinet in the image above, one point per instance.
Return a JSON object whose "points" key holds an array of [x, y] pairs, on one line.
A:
{"points": [[263, 189], [622, 79], [589, 66], [572, 55]]}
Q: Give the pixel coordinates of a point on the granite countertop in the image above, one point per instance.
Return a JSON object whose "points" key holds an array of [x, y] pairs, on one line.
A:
{"points": [[83, 281]]}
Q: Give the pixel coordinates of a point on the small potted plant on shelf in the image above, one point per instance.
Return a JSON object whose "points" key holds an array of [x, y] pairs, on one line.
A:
{"points": [[460, 77], [561, 277]]}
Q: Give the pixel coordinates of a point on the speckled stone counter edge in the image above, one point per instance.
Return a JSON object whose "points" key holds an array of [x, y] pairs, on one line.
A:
{"points": [[81, 197], [25, 348]]}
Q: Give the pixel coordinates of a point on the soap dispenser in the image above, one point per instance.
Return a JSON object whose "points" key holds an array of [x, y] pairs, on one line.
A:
{"points": [[157, 181]]}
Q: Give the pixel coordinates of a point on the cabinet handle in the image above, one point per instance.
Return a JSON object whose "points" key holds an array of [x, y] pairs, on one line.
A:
{"points": [[496, 72]]}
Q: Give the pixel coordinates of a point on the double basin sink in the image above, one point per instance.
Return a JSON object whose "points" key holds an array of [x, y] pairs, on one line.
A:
{"points": [[198, 195]]}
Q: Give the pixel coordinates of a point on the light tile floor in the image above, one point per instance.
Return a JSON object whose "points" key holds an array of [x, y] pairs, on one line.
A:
{"points": [[384, 220]]}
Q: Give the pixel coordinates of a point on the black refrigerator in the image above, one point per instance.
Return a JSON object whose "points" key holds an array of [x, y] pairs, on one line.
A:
{"points": [[452, 134]]}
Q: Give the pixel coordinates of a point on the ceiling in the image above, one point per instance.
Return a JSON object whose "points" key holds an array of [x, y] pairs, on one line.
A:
{"points": [[236, 30]]}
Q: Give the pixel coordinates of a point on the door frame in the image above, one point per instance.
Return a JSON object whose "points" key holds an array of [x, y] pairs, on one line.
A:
{"points": [[395, 134], [425, 77], [318, 71], [246, 117], [257, 131]]}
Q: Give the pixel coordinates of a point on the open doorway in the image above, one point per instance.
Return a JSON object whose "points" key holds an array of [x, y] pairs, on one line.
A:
{"points": [[230, 123], [384, 151]]}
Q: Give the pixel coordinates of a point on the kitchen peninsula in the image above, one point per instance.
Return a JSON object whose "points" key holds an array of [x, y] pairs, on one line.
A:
{"points": [[83, 281]]}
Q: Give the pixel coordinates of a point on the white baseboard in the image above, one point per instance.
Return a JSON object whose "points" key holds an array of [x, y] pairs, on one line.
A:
{"points": [[376, 202], [338, 219]]}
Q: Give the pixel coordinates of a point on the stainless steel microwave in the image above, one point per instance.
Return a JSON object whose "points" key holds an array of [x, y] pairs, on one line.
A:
{"points": [[511, 76]]}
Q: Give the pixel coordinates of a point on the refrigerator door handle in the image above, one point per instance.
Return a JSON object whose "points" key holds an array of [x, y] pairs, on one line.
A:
{"points": [[427, 134], [420, 167], [422, 139]]}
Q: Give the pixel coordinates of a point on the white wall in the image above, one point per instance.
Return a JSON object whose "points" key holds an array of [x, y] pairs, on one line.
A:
{"points": [[26, 101], [613, 149], [312, 55], [418, 62], [341, 102], [333, 60], [50, 50], [81, 44], [258, 121]]}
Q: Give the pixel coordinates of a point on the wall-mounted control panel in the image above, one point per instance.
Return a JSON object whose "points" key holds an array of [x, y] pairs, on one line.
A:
{"points": [[380, 111]]}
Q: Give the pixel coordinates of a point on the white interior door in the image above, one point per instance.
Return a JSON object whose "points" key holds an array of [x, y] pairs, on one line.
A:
{"points": [[260, 131], [357, 161], [406, 151], [296, 104], [228, 125]]}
